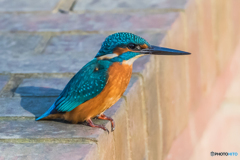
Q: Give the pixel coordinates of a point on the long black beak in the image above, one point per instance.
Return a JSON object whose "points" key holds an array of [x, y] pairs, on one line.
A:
{"points": [[163, 51]]}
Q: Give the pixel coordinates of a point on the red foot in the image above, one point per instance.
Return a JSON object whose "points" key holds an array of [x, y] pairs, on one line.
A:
{"points": [[90, 123], [102, 116]]}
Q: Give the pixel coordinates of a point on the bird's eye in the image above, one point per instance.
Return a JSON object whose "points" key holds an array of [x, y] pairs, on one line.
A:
{"points": [[132, 46]]}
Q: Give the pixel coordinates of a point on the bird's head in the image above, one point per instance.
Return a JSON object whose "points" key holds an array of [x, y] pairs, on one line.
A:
{"points": [[127, 47]]}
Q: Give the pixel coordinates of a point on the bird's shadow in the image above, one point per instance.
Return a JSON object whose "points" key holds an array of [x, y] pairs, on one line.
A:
{"points": [[37, 100]]}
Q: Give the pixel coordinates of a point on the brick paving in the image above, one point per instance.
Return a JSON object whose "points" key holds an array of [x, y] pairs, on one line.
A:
{"points": [[27, 5]]}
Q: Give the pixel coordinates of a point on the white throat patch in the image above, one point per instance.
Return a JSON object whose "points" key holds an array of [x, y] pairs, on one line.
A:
{"points": [[130, 61]]}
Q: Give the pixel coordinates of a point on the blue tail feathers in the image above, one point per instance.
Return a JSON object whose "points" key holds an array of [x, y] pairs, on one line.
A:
{"points": [[47, 112]]}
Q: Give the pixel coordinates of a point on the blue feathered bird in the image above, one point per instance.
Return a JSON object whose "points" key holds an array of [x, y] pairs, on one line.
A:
{"points": [[103, 80]]}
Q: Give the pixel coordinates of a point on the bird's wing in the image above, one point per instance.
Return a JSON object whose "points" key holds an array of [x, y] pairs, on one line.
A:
{"points": [[86, 84]]}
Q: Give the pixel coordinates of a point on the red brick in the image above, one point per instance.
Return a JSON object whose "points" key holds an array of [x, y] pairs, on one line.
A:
{"points": [[193, 46], [136, 119], [92, 22], [27, 6], [56, 151], [177, 40], [223, 32], [211, 102], [182, 147], [207, 45], [153, 114], [121, 133], [173, 83], [119, 5], [221, 134], [106, 145], [234, 89], [167, 87], [222, 130], [235, 20]]}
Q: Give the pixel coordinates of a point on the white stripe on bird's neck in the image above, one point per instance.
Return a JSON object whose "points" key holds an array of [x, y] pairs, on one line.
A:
{"points": [[108, 56]]}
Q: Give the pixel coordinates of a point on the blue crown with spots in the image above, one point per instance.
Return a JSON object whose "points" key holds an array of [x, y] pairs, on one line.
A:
{"points": [[120, 39]]}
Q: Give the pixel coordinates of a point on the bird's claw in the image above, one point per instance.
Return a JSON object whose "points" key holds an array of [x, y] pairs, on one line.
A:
{"points": [[105, 129], [90, 123], [113, 128], [112, 125], [102, 116]]}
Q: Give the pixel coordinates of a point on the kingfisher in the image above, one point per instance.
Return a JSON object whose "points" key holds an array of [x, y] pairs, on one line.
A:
{"points": [[103, 80]]}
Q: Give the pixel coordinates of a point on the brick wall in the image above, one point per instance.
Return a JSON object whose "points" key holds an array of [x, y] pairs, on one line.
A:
{"points": [[209, 30]]}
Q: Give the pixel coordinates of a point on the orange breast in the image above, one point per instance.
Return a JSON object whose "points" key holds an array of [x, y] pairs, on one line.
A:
{"points": [[119, 77]]}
